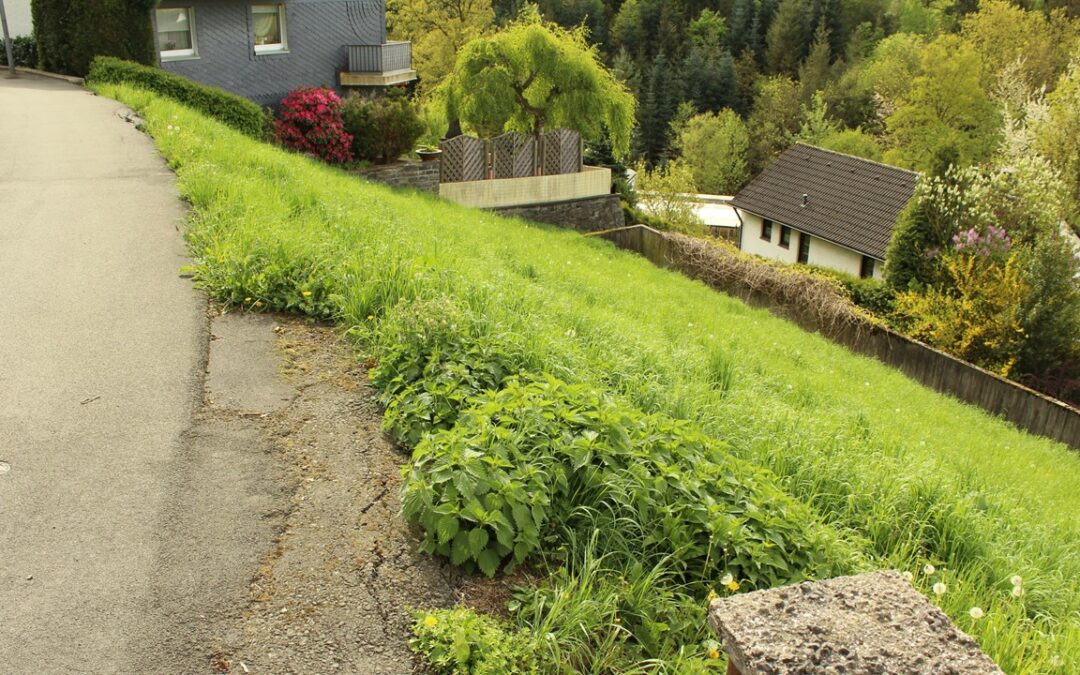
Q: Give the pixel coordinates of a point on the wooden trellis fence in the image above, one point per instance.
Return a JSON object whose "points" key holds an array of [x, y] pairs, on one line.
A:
{"points": [[511, 155]]}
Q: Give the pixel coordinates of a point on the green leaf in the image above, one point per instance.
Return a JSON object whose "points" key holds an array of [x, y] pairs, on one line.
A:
{"points": [[489, 562], [459, 553], [448, 527], [478, 540]]}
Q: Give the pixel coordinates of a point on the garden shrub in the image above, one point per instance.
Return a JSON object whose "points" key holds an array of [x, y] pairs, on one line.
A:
{"points": [[433, 366], [462, 642], [70, 33], [523, 459], [23, 51], [310, 121], [236, 111], [383, 128]]}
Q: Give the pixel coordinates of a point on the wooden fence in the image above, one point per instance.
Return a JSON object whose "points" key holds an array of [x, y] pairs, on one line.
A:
{"points": [[511, 155], [1026, 408]]}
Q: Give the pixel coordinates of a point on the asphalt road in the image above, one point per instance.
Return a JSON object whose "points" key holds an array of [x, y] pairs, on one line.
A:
{"points": [[102, 353]]}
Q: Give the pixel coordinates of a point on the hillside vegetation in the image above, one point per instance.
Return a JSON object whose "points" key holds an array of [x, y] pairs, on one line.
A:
{"points": [[638, 435]]}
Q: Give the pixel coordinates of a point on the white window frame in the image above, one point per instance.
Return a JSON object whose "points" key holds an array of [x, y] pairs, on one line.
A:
{"points": [[274, 47], [179, 54]]}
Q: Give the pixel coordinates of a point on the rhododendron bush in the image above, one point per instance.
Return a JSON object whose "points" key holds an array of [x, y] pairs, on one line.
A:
{"points": [[310, 121]]}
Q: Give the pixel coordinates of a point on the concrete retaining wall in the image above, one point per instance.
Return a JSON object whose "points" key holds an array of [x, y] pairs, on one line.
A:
{"points": [[423, 176], [1026, 408], [501, 193]]}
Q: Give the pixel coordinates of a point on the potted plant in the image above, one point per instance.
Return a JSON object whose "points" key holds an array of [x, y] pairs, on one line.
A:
{"points": [[428, 153]]}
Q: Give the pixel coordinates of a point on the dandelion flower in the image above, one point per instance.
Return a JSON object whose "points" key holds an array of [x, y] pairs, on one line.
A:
{"points": [[908, 576], [431, 621], [307, 294], [976, 613], [940, 588], [714, 654], [1017, 580], [928, 569], [733, 586], [258, 303], [1017, 591], [712, 595], [247, 299], [726, 579], [370, 317]]}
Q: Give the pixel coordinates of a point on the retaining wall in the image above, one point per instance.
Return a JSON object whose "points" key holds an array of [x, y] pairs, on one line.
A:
{"points": [[587, 214], [1026, 408], [423, 176]]}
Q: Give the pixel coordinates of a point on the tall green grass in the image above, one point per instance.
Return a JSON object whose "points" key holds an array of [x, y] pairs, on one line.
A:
{"points": [[916, 477]]}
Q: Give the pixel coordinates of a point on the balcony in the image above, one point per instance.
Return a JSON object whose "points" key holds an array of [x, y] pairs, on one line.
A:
{"points": [[379, 65]]}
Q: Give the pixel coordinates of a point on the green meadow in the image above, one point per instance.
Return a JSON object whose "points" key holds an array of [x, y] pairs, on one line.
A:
{"points": [[471, 317]]}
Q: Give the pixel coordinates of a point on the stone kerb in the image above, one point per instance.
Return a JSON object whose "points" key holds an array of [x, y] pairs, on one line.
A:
{"points": [[858, 625]]}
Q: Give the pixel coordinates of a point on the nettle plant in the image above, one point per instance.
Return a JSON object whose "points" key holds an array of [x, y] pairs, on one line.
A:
{"points": [[310, 121], [515, 468]]}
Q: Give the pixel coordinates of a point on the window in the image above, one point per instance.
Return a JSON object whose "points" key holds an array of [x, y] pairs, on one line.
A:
{"points": [[785, 236], [804, 248], [176, 33], [268, 23], [766, 230], [866, 270]]}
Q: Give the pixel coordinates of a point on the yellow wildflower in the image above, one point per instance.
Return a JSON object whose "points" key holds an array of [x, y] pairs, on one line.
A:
{"points": [[247, 299], [714, 653], [712, 595], [258, 303], [431, 621], [307, 294], [733, 586]]}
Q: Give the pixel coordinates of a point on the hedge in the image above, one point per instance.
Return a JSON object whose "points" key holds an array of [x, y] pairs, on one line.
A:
{"points": [[70, 33], [235, 111], [23, 49]]}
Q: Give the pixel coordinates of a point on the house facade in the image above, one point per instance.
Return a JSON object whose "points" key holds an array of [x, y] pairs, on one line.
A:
{"points": [[265, 50], [824, 208]]}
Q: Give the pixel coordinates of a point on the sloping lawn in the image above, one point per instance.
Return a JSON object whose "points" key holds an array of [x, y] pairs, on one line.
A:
{"points": [[904, 476]]}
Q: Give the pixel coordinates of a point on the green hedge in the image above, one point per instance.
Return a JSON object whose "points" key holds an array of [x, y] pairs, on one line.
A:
{"points": [[70, 33], [236, 111], [23, 49]]}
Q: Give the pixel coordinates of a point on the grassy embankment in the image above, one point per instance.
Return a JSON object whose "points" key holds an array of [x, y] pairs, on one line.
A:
{"points": [[901, 476]]}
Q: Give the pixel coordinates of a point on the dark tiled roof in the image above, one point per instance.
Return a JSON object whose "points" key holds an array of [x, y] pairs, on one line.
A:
{"points": [[850, 201]]}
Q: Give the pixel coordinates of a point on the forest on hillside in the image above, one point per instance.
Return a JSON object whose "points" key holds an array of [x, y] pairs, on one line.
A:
{"points": [[981, 98]]}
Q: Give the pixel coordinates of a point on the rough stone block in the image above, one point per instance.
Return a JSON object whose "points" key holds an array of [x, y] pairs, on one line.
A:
{"points": [[869, 623]]}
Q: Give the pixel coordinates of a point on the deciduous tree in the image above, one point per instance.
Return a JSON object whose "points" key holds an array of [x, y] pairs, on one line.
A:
{"points": [[715, 147], [533, 75], [438, 29]]}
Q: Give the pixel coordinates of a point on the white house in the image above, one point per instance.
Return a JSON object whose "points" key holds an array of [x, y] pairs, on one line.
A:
{"points": [[18, 18], [824, 208]]}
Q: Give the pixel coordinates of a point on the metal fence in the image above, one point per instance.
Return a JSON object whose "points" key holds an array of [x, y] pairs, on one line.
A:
{"points": [[511, 155], [385, 58]]}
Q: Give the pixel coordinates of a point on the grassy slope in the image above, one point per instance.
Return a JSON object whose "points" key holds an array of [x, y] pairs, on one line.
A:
{"points": [[919, 475]]}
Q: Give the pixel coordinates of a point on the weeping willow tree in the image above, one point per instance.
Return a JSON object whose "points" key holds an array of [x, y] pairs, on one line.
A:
{"points": [[533, 76], [70, 33]]}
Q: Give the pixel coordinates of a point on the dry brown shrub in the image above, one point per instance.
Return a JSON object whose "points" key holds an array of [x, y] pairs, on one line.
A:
{"points": [[811, 299]]}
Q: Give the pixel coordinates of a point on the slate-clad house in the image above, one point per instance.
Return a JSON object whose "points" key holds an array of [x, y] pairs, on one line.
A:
{"points": [[265, 50], [824, 208]]}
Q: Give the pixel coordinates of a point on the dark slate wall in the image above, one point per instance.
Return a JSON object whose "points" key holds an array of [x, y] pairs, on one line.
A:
{"points": [[587, 214], [317, 32]]}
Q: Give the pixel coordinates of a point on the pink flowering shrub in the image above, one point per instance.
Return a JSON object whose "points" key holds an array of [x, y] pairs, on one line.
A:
{"points": [[310, 121]]}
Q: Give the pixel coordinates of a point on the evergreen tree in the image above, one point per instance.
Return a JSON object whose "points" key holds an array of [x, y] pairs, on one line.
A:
{"points": [[788, 38], [816, 71]]}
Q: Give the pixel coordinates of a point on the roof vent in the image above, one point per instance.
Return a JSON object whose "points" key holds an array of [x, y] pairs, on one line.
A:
{"points": [[805, 199]]}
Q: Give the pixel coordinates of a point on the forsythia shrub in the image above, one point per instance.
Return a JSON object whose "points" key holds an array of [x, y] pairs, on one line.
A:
{"points": [[311, 123]]}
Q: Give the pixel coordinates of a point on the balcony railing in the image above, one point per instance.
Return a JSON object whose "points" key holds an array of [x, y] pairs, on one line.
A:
{"points": [[391, 57]]}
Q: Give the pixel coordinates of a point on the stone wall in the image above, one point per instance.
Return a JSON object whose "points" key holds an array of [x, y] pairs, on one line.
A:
{"points": [[422, 176], [587, 214]]}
